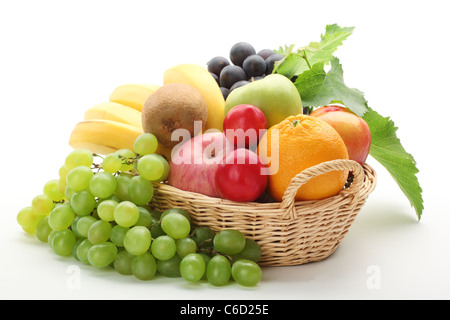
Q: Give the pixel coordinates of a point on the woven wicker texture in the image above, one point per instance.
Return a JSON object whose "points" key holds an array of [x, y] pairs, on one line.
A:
{"points": [[289, 232]]}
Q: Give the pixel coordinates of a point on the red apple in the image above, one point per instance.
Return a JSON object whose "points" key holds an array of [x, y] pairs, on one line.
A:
{"points": [[353, 129], [194, 163], [240, 177], [244, 125]]}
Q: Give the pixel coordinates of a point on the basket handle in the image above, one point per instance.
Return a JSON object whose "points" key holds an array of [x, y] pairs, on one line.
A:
{"points": [[288, 200]]}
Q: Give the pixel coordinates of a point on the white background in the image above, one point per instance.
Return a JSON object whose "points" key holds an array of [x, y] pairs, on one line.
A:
{"points": [[59, 58]]}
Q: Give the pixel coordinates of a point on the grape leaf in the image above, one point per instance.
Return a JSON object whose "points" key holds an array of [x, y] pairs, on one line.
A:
{"points": [[388, 151], [294, 63], [285, 50], [317, 88]]}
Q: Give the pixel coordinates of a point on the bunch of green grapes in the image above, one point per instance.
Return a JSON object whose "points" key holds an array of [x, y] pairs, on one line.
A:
{"points": [[100, 214]]}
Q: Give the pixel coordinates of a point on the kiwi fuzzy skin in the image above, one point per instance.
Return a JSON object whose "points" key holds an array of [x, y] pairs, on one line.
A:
{"points": [[171, 107]]}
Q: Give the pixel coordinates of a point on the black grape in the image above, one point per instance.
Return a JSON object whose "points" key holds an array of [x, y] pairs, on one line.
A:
{"points": [[240, 51]]}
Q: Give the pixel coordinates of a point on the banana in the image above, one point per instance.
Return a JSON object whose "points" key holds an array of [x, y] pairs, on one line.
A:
{"points": [[107, 136], [133, 95], [200, 78], [116, 112], [103, 136]]}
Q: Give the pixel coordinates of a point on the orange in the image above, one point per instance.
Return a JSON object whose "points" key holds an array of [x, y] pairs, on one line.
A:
{"points": [[297, 143]]}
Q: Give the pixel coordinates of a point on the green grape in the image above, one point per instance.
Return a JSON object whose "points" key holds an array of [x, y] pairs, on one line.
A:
{"points": [[112, 163], [99, 232], [62, 185], [30, 229], [140, 190], [229, 241], [63, 242], [192, 267], [79, 177], [61, 217], [126, 214], [251, 251], [218, 270], [145, 144], [169, 268], [176, 210], [246, 272], [62, 173], [51, 189], [102, 254], [75, 248], [144, 266], [126, 156], [68, 193], [118, 234], [27, 218], [82, 251], [105, 210], [186, 246], [122, 263], [42, 205], [156, 229], [206, 258], [155, 226], [163, 248], [145, 218], [176, 225], [137, 240], [156, 214], [83, 202], [51, 235], [153, 167], [83, 225], [123, 181], [203, 236], [73, 226], [78, 157], [111, 197], [43, 230], [102, 184]]}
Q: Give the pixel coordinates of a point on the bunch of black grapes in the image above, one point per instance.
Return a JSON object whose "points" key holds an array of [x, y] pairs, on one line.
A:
{"points": [[246, 66]]}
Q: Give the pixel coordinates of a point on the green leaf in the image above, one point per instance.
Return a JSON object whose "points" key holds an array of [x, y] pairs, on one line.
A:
{"points": [[317, 88], [285, 50], [294, 63], [388, 151]]}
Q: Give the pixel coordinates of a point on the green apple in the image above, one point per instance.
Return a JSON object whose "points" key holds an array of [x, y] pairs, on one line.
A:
{"points": [[275, 95]]}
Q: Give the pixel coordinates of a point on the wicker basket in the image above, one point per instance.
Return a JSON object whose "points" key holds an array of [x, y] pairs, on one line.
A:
{"points": [[289, 232]]}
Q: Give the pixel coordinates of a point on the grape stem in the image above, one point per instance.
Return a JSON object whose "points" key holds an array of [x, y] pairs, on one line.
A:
{"points": [[154, 225], [211, 251], [96, 166]]}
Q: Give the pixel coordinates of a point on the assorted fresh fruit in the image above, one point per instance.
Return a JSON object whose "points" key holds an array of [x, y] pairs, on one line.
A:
{"points": [[98, 212], [238, 129]]}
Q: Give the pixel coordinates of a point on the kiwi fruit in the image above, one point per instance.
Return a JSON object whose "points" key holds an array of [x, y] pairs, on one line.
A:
{"points": [[173, 106]]}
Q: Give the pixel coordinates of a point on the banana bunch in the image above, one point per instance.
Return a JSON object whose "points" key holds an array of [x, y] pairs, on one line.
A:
{"points": [[133, 95], [113, 125]]}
